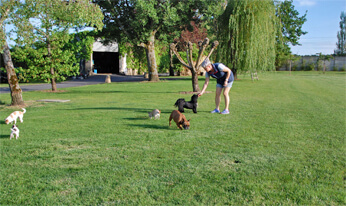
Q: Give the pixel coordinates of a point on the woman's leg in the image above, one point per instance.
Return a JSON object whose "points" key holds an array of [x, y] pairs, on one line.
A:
{"points": [[226, 95], [218, 97]]}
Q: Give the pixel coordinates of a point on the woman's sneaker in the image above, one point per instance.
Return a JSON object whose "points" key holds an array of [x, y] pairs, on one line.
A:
{"points": [[225, 111], [215, 111]]}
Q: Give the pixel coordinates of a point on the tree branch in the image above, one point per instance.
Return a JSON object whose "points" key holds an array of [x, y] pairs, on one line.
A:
{"points": [[190, 49], [214, 45], [143, 45], [202, 47], [174, 49]]}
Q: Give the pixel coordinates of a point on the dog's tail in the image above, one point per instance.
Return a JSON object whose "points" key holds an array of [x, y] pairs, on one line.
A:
{"points": [[24, 110]]}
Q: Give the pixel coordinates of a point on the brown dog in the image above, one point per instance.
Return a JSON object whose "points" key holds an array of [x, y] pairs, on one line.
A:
{"points": [[179, 119]]}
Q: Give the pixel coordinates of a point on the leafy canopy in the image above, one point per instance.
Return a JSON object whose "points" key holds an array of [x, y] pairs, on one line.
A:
{"points": [[43, 31], [290, 30], [246, 33], [341, 44]]}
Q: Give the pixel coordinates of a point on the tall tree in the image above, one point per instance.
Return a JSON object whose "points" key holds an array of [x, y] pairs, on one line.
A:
{"points": [[341, 44], [247, 35], [290, 24], [7, 7], [46, 23], [141, 22]]}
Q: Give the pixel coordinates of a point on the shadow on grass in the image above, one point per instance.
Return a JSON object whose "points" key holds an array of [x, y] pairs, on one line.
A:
{"points": [[118, 92], [176, 78], [150, 126], [3, 136], [137, 118], [140, 110]]}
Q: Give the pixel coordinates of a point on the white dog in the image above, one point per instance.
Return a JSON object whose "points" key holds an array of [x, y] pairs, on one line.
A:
{"points": [[14, 115], [155, 113], [15, 131]]}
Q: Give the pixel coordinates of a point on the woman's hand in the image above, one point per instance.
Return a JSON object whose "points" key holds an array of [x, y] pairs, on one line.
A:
{"points": [[225, 83], [200, 94]]}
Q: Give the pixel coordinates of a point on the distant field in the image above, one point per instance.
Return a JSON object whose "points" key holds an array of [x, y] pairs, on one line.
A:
{"points": [[282, 144]]}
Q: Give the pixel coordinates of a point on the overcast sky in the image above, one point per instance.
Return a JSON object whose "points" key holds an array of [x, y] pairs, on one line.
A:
{"points": [[322, 25]]}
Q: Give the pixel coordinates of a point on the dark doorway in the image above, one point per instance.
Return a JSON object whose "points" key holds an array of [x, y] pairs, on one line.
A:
{"points": [[106, 62]]}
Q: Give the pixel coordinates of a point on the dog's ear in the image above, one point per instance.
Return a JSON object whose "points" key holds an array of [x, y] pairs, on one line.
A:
{"points": [[189, 120]]}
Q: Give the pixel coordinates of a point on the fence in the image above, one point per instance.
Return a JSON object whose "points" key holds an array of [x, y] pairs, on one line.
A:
{"points": [[337, 63]]}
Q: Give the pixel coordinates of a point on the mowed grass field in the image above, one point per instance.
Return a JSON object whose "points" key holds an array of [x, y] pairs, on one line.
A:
{"points": [[282, 144]]}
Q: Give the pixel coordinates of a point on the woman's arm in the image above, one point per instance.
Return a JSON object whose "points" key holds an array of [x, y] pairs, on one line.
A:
{"points": [[204, 86], [228, 74]]}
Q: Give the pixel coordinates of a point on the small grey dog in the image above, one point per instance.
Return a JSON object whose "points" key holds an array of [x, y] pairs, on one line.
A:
{"points": [[155, 113]]}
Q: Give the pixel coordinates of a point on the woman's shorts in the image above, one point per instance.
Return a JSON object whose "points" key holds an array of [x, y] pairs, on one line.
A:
{"points": [[228, 85]]}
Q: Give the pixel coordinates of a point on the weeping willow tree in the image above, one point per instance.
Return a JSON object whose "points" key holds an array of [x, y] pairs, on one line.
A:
{"points": [[247, 31]]}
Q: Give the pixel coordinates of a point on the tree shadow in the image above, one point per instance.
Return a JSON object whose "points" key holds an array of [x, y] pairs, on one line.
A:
{"points": [[150, 126], [137, 118], [139, 110], [118, 91], [3, 136]]}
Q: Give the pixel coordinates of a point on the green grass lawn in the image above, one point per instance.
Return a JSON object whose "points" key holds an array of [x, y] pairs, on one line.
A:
{"points": [[282, 144]]}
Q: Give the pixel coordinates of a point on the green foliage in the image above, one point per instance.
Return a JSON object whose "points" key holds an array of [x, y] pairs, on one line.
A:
{"points": [[343, 68], [139, 22], [43, 29], [282, 144], [341, 44], [136, 58], [162, 54], [177, 66], [294, 67], [163, 63], [247, 35], [310, 67], [321, 61], [6, 11], [81, 44], [290, 25], [38, 63]]}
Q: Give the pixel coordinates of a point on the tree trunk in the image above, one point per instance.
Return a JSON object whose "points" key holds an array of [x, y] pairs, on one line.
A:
{"points": [[235, 74], [151, 58], [171, 70], [53, 82], [52, 72], [195, 86], [16, 91]]}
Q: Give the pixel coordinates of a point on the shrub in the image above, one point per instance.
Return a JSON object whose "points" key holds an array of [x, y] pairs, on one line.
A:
{"points": [[343, 68], [294, 68], [310, 67]]}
